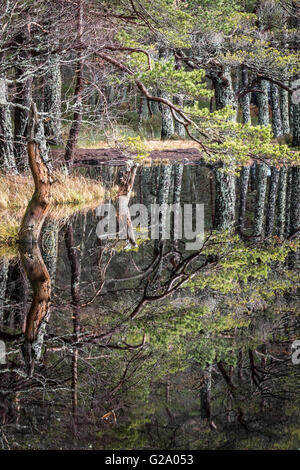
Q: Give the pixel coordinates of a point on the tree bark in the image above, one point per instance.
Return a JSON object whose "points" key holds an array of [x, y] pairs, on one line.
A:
{"points": [[281, 202], [52, 102], [77, 116], [285, 112], [270, 217], [296, 125], [167, 123], [7, 158], [276, 115], [261, 185], [23, 98], [263, 104]]}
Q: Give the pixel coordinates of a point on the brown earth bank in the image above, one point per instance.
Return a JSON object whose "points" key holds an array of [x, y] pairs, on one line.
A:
{"points": [[113, 156]]}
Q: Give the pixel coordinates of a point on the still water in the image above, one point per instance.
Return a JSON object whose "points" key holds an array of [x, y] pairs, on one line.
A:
{"points": [[149, 346]]}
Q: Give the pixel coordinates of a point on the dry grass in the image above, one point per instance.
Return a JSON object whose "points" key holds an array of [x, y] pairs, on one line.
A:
{"points": [[150, 144], [171, 144], [69, 194]]}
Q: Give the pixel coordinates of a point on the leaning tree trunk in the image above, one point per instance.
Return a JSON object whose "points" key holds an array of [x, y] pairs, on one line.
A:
{"points": [[276, 115], [31, 225], [52, 102], [7, 158], [270, 217]]}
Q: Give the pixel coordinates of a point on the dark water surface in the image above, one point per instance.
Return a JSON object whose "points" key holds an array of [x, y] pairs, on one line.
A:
{"points": [[135, 358]]}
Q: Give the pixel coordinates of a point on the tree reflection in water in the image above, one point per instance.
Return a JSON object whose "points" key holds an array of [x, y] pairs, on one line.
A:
{"points": [[152, 346]]}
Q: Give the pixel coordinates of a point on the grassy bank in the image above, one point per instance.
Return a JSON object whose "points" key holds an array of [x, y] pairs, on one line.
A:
{"points": [[69, 194]]}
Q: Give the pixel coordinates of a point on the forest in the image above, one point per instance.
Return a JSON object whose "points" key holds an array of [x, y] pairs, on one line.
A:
{"points": [[149, 225]]}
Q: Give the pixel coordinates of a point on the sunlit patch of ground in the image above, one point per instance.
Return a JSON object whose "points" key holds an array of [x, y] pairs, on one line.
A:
{"points": [[160, 145]]}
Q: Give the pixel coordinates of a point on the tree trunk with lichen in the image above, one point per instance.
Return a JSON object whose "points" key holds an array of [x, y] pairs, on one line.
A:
{"points": [[167, 122], [179, 128], [23, 98], [225, 191], [263, 104], [7, 158], [225, 197], [246, 99], [143, 112], [77, 115], [52, 102], [224, 93], [276, 115]]}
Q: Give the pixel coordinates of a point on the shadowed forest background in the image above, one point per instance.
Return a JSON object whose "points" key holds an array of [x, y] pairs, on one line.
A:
{"points": [[137, 343]]}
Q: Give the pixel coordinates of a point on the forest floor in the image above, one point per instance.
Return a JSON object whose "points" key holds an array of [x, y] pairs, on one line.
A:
{"points": [[159, 151]]}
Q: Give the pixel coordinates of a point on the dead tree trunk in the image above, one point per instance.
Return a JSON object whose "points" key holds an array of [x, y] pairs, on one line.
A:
{"points": [[28, 237]]}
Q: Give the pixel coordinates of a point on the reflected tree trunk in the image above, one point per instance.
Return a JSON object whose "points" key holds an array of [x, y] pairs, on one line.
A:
{"points": [[281, 202], [4, 265], [270, 216], [261, 185], [74, 256], [296, 125], [244, 183], [285, 113], [225, 198], [288, 202]]}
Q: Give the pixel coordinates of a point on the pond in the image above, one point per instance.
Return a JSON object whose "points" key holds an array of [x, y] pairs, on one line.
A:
{"points": [[155, 343]]}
